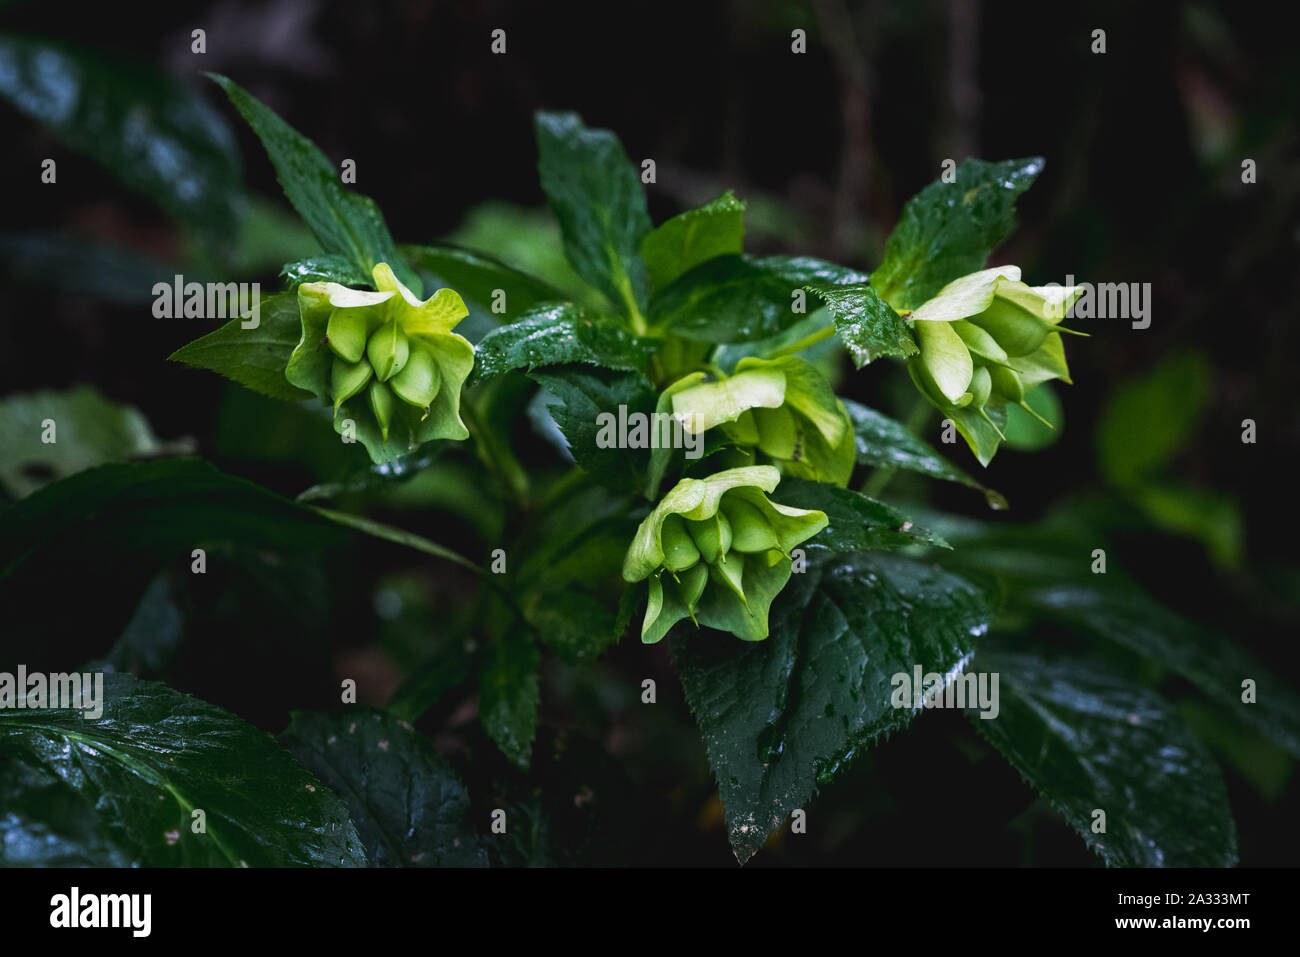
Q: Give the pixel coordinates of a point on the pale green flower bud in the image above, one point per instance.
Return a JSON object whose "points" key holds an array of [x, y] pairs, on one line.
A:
{"points": [[716, 550], [985, 339], [400, 350]]}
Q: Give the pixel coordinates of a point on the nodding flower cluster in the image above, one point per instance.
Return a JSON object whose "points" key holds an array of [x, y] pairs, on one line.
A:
{"points": [[717, 551], [397, 350], [985, 339]]}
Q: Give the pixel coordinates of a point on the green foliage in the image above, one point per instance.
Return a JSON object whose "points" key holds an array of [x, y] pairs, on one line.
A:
{"points": [[784, 717], [694, 237], [122, 789], [1090, 740], [596, 195], [346, 223], [559, 335], [576, 533], [949, 229], [255, 357], [409, 806]]}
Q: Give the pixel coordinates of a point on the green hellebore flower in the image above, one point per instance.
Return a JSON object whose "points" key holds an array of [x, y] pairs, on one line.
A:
{"points": [[985, 340], [783, 407], [385, 361], [717, 551]]}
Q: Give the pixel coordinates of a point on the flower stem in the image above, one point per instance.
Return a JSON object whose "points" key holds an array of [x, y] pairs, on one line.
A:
{"points": [[804, 343]]}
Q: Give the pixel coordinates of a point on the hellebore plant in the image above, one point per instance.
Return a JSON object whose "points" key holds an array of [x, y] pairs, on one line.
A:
{"points": [[791, 599]]}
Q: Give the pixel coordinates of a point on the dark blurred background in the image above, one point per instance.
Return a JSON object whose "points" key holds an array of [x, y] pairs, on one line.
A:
{"points": [[1144, 146]]}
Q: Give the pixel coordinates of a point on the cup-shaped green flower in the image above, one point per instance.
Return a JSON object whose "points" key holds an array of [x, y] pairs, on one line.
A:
{"points": [[784, 408], [985, 339], [717, 551], [388, 364]]}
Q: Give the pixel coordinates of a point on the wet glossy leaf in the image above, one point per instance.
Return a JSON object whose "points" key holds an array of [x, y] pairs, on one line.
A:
{"points": [[865, 323], [1215, 665], [949, 229], [409, 806], [727, 299], [857, 523], [1087, 739], [693, 237], [256, 357], [144, 127], [346, 223], [331, 267], [152, 758], [886, 443], [558, 335], [783, 717], [596, 195]]}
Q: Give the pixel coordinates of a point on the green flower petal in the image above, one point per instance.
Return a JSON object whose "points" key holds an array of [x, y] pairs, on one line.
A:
{"points": [[945, 357]]}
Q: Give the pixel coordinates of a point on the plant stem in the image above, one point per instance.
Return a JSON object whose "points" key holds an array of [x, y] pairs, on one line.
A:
{"points": [[804, 343]]}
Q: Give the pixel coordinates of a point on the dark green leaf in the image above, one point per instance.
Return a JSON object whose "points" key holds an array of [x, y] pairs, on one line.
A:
{"points": [[693, 237], [584, 395], [166, 508], [732, 299], [948, 230], [801, 270], [256, 357], [47, 823], [409, 806], [575, 624], [784, 716], [154, 757], [1089, 740], [1211, 662], [398, 536], [727, 299], [886, 443], [857, 523], [596, 195], [477, 277], [865, 323], [151, 639], [330, 267], [144, 127], [345, 222], [558, 335], [509, 695]]}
